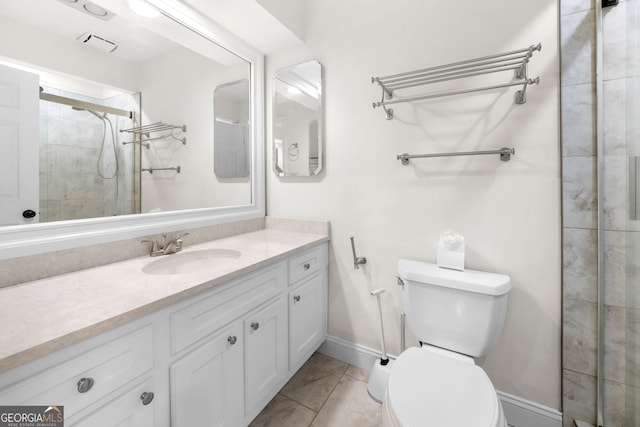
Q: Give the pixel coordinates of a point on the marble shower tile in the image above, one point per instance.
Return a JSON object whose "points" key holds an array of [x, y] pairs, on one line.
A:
{"points": [[632, 350], [572, 6], [580, 264], [313, 383], [614, 268], [615, 192], [349, 405], [282, 411], [632, 269], [578, 120], [578, 48], [614, 37], [614, 404], [632, 401], [579, 402], [633, 111], [579, 207], [614, 343], [615, 117], [579, 336]]}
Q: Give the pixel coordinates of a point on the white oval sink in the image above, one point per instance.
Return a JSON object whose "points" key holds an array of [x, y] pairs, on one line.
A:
{"points": [[191, 262]]}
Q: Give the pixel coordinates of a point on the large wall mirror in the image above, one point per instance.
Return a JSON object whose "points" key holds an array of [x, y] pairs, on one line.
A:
{"points": [[110, 122], [297, 120]]}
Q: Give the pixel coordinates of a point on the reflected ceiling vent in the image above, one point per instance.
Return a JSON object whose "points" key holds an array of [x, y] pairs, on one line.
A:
{"points": [[89, 8], [98, 42]]}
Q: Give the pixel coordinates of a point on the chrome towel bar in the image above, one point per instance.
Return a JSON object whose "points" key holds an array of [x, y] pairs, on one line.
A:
{"points": [[505, 154], [151, 170]]}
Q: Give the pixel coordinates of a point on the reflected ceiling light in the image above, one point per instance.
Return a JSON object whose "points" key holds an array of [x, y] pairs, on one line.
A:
{"points": [[143, 8], [294, 90], [95, 10]]}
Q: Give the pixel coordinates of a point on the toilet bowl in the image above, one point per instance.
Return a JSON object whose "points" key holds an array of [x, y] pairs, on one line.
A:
{"points": [[458, 316], [429, 386]]}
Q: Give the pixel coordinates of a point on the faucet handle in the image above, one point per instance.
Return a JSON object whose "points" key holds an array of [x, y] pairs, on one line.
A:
{"points": [[179, 241]]}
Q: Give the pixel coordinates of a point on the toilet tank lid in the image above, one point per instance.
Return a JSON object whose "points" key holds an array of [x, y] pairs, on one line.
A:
{"points": [[467, 280]]}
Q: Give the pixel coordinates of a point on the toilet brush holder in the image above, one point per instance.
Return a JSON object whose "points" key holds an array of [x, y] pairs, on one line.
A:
{"points": [[379, 374], [378, 378]]}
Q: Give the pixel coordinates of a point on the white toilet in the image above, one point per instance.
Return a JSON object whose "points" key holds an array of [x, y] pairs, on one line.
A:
{"points": [[457, 315]]}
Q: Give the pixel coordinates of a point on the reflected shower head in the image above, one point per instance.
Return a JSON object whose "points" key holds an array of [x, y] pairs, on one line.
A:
{"points": [[91, 111]]}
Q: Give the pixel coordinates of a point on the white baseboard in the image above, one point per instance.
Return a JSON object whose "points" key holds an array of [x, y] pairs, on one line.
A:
{"points": [[525, 413], [353, 354], [518, 411]]}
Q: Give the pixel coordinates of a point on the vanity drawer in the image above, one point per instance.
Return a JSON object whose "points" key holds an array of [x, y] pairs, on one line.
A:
{"points": [[209, 314], [83, 380], [305, 265]]}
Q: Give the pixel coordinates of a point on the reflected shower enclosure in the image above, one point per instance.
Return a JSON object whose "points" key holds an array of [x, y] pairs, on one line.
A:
{"points": [[85, 170]]}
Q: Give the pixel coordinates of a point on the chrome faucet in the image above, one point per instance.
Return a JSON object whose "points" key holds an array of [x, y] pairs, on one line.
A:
{"points": [[174, 245], [167, 246]]}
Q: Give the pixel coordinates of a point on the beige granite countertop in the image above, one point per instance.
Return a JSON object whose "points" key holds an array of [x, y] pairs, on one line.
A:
{"points": [[42, 316]]}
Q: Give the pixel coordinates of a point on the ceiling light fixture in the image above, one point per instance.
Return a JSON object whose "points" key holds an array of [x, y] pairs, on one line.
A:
{"points": [[143, 8], [95, 10]]}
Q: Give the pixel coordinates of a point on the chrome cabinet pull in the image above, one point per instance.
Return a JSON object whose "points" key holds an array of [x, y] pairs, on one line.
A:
{"points": [[147, 397], [296, 298], [307, 266], [85, 384], [232, 340], [255, 325]]}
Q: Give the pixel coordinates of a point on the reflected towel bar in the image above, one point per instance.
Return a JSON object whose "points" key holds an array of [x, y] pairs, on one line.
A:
{"points": [[505, 154], [151, 170]]}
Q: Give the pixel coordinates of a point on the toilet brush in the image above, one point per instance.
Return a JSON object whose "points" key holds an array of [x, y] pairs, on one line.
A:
{"points": [[379, 374]]}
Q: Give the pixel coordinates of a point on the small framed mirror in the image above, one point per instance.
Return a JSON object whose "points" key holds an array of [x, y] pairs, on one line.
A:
{"points": [[231, 130], [298, 111]]}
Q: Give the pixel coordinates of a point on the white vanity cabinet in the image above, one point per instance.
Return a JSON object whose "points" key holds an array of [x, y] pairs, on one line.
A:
{"points": [[214, 359], [266, 364], [239, 359], [133, 407], [207, 383], [81, 380], [307, 305]]}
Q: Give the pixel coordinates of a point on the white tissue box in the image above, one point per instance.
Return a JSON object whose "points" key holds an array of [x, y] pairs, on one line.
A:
{"points": [[451, 251]]}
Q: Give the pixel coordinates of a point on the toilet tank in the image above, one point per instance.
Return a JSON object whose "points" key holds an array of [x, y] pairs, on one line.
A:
{"points": [[462, 311]]}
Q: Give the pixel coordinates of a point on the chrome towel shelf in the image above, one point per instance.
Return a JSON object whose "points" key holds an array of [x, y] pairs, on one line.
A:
{"points": [[505, 154], [146, 131], [516, 61]]}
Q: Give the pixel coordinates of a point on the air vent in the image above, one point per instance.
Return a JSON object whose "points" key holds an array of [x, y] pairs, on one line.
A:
{"points": [[98, 42]]}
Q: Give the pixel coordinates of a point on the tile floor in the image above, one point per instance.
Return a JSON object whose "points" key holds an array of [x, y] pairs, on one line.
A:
{"points": [[325, 392]]}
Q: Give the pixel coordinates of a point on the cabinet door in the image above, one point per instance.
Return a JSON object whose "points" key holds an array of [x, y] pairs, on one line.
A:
{"points": [[132, 408], [266, 352], [206, 384], [306, 319]]}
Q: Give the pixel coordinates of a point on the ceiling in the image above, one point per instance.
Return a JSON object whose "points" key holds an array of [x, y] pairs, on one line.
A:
{"points": [[247, 19], [55, 17], [251, 21]]}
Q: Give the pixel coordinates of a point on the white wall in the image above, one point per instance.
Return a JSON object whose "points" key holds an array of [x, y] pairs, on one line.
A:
{"points": [[508, 212]]}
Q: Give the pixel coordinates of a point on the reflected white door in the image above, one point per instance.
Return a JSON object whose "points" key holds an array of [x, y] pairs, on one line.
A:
{"points": [[19, 134]]}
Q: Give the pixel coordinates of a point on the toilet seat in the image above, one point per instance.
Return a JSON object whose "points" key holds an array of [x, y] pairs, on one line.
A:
{"points": [[435, 387]]}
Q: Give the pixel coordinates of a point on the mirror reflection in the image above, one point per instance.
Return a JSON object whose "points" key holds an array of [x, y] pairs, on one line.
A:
{"points": [[123, 108], [231, 131], [297, 120]]}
